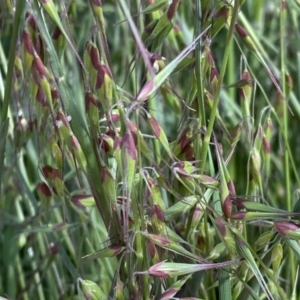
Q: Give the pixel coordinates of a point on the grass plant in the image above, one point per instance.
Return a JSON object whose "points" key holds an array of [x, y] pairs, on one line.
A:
{"points": [[148, 149]]}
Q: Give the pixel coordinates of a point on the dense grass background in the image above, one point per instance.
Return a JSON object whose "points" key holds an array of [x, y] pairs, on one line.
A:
{"points": [[149, 149]]}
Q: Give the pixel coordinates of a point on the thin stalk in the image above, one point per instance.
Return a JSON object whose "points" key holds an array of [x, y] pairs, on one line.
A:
{"points": [[199, 79], [283, 13], [140, 225], [213, 114], [231, 70], [156, 143], [225, 290], [21, 277], [11, 59]]}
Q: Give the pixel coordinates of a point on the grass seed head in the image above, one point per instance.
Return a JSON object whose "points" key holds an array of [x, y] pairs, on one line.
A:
{"points": [[152, 251], [104, 86], [264, 239], [245, 85], [255, 165], [245, 38], [91, 107], [83, 200], [91, 290], [216, 251], [288, 229], [214, 79], [59, 41], [172, 9], [276, 257], [44, 193]]}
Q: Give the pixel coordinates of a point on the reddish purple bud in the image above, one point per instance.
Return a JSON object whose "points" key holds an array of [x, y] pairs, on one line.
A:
{"points": [[27, 42], [241, 31], [186, 146], [116, 250], [54, 94], [133, 129], [266, 145], [156, 61], [90, 100], [47, 171], [154, 57], [51, 173], [77, 199], [158, 239], [83, 200], [227, 207], [56, 33], [74, 142], [156, 210], [61, 117], [43, 188], [39, 67], [94, 55], [155, 271], [128, 143], [145, 91], [151, 248], [40, 97], [246, 77], [231, 187], [214, 74], [221, 225], [284, 227], [106, 142], [117, 142], [31, 21], [169, 293], [172, 9], [239, 202], [115, 117], [155, 126], [238, 215], [184, 138], [102, 71]]}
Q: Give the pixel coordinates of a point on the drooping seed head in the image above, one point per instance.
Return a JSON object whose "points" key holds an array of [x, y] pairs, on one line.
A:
{"points": [[288, 229]]}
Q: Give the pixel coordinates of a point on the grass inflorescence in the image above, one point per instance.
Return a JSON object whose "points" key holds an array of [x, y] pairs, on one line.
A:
{"points": [[148, 149]]}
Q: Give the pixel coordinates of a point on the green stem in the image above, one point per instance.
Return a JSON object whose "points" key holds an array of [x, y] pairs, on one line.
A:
{"points": [[199, 79], [11, 60], [283, 13], [214, 110], [199, 82], [138, 215]]}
